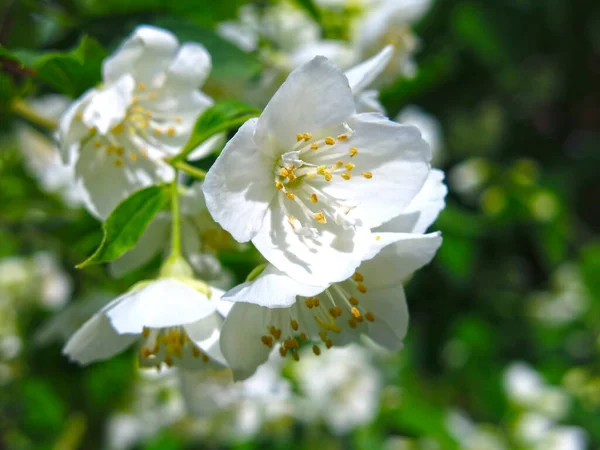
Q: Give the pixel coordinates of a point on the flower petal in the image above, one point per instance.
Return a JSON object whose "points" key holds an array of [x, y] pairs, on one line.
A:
{"points": [[400, 259], [97, 340], [241, 339], [148, 246], [72, 130], [148, 51], [395, 156], [331, 254], [166, 302], [190, 68], [239, 185], [315, 96], [95, 166], [272, 288], [205, 334], [108, 107], [391, 316], [362, 75]]}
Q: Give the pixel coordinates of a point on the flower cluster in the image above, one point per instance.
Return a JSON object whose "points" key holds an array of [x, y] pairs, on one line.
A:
{"points": [[336, 200]]}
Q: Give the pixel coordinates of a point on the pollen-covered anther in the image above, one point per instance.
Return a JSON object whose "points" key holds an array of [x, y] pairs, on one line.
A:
{"points": [[290, 195], [291, 343], [196, 352], [118, 163], [284, 172], [350, 166], [171, 131], [118, 129], [316, 302], [321, 170], [307, 136], [141, 86], [367, 175], [309, 303], [342, 137], [336, 311], [353, 152], [294, 325], [328, 343], [361, 288], [355, 312], [339, 163], [177, 119], [346, 176], [320, 217], [146, 332], [296, 356], [133, 156], [275, 332], [329, 140], [370, 316], [352, 323], [314, 198], [146, 352], [278, 185], [299, 137], [282, 351], [314, 146], [358, 277], [316, 350], [377, 238], [267, 340], [303, 337], [353, 301], [328, 175]]}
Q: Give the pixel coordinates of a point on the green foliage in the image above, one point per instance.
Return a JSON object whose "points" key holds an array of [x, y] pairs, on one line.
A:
{"points": [[126, 224], [310, 7], [71, 73], [219, 118]]}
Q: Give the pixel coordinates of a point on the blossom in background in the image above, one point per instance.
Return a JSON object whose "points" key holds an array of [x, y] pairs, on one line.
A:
{"points": [[176, 319], [307, 179], [201, 238], [275, 310], [340, 388], [143, 112], [428, 126], [41, 155]]}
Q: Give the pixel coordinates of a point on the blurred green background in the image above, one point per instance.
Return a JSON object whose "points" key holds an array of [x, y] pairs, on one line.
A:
{"points": [[515, 87]]}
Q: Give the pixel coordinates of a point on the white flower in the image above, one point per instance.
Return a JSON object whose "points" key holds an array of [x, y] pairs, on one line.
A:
{"points": [[41, 155], [388, 22], [143, 112], [428, 126], [200, 238], [341, 387], [176, 320], [308, 178], [274, 310]]}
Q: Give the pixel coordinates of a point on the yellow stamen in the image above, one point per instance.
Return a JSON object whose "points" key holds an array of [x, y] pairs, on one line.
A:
{"points": [[328, 175], [275, 332], [291, 343], [361, 288], [141, 86], [316, 350], [299, 137], [358, 276], [196, 352], [290, 195], [177, 118], [282, 351], [294, 325], [342, 137], [307, 136], [279, 185], [353, 301], [355, 312], [320, 217], [350, 166], [118, 163], [316, 302], [377, 237], [157, 132], [314, 198], [369, 316], [308, 302], [146, 352], [352, 323], [321, 170], [367, 175], [329, 140], [284, 172], [171, 131], [118, 129], [314, 146], [267, 340], [303, 337], [133, 156], [346, 176], [353, 152], [296, 356], [146, 332], [328, 343]]}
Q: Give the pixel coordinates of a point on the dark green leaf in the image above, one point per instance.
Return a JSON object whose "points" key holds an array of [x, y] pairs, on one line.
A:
{"points": [[310, 8], [220, 117], [127, 223]]}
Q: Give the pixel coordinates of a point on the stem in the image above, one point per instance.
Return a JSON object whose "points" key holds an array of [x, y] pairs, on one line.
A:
{"points": [[176, 231], [189, 169], [22, 109]]}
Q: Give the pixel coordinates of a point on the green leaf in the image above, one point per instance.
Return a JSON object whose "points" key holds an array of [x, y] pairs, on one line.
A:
{"points": [[127, 223], [70, 73], [310, 7], [218, 118]]}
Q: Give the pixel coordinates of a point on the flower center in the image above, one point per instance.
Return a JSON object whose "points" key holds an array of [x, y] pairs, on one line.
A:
{"points": [[318, 320], [141, 126], [301, 174], [167, 345]]}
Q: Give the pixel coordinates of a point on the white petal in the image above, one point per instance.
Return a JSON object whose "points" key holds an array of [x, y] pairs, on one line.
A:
{"points": [[209, 146], [205, 334], [107, 184], [314, 97], [108, 107], [241, 339], [166, 302], [397, 158], [154, 240], [368, 102], [391, 316], [190, 68], [362, 75], [273, 289], [71, 130], [397, 261], [331, 254], [97, 340], [338, 52], [240, 185], [146, 52]]}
